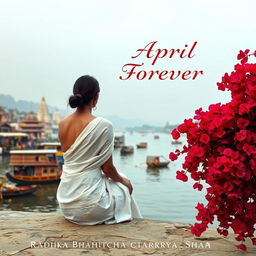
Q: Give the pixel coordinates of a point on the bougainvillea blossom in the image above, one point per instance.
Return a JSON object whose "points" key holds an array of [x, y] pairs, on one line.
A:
{"points": [[221, 152]]}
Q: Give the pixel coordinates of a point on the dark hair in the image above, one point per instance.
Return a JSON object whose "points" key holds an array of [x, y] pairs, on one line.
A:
{"points": [[84, 89]]}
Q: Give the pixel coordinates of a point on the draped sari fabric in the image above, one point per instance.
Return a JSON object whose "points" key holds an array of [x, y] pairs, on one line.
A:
{"points": [[86, 196]]}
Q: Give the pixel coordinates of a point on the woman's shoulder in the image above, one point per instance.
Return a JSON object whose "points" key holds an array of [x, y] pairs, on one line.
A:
{"points": [[66, 121], [106, 122], [64, 127]]}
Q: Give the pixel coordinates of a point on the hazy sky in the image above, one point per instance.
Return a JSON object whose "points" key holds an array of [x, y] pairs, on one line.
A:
{"points": [[46, 45]]}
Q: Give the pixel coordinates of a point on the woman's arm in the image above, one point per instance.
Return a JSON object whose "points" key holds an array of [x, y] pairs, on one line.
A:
{"points": [[110, 171]]}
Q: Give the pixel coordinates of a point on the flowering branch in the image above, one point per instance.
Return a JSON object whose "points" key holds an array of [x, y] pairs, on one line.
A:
{"points": [[221, 151]]}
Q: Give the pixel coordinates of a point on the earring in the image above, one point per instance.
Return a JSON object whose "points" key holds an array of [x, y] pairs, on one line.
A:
{"points": [[94, 108]]}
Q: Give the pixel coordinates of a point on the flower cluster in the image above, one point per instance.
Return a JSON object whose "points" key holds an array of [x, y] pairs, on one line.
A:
{"points": [[221, 151]]}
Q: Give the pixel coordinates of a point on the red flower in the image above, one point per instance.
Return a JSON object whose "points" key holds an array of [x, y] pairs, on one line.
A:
{"points": [[175, 134], [244, 60], [200, 206], [242, 54], [242, 247], [180, 175], [242, 123], [249, 149], [204, 138], [244, 108], [173, 156], [221, 152], [225, 232], [241, 135], [198, 186], [197, 229]]}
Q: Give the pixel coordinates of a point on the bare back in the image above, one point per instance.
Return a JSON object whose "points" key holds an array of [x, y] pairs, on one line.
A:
{"points": [[71, 127]]}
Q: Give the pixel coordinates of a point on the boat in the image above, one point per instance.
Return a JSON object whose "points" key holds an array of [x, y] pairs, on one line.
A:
{"points": [[176, 142], [142, 145], [156, 137], [8, 191], [127, 150], [155, 162], [38, 166], [50, 145], [54, 145], [119, 141]]}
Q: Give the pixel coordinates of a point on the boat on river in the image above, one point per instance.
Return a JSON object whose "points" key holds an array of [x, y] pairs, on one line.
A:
{"points": [[126, 150], [176, 142], [155, 162], [50, 145], [142, 145], [38, 166], [9, 191], [54, 145], [119, 141]]}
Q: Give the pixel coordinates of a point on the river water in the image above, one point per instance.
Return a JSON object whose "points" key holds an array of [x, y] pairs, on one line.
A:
{"points": [[158, 194]]}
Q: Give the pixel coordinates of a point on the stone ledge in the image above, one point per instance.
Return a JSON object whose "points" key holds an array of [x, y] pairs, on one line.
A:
{"points": [[22, 231]]}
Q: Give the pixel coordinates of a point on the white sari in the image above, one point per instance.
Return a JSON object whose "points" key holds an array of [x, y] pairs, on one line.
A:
{"points": [[85, 195]]}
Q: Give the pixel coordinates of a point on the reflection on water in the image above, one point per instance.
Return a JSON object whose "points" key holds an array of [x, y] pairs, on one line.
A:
{"points": [[43, 200], [4, 162], [153, 171], [154, 174], [158, 194]]}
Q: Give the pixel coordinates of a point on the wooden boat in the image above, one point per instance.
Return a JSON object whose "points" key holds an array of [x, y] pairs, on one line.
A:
{"points": [[119, 141], [142, 145], [9, 191], [154, 162], [57, 146], [50, 145], [156, 137], [127, 150], [38, 166], [176, 142]]}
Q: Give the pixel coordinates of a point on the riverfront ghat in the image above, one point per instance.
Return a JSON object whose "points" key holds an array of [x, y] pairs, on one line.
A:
{"points": [[29, 233]]}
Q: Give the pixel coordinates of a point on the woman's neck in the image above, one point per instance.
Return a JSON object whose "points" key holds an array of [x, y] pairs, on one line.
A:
{"points": [[86, 110]]}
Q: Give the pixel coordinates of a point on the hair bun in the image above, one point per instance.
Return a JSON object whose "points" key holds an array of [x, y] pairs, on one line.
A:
{"points": [[75, 101], [84, 90]]}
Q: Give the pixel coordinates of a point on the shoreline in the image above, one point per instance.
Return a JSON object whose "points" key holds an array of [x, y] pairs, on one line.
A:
{"points": [[33, 233]]}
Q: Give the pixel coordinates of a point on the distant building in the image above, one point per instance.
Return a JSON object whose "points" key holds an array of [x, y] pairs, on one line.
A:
{"points": [[13, 115], [56, 116], [3, 115], [5, 127], [55, 122], [44, 116], [32, 126], [4, 121], [15, 126]]}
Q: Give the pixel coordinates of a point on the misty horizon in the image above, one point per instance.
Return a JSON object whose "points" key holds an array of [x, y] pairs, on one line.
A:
{"points": [[46, 45]]}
